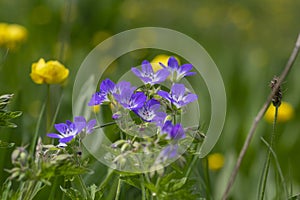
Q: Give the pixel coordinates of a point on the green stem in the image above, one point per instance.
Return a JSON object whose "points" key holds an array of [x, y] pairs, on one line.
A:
{"points": [[104, 125], [53, 189], [56, 111], [35, 137], [193, 162], [48, 115], [29, 190], [106, 180], [207, 180], [118, 189], [86, 194], [267, 166], [278, 168], [143, 187]]}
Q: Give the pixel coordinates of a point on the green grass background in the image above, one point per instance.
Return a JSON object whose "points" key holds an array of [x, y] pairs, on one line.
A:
{"points": [[250, 41]]}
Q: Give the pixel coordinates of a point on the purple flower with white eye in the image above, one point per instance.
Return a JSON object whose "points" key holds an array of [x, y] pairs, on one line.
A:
{"points": [[106, 87], [83, 125], [178, 95], [67, 131], [175, 132], [150, 111], [128, 99], [177, 71], [147, 74]]}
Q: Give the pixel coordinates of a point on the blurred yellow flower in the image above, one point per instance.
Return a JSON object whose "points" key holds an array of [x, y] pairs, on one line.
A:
{"points": [[215, 161], [51, 72], [162, 58], [285, 112], [11, 35], [96, 108]]}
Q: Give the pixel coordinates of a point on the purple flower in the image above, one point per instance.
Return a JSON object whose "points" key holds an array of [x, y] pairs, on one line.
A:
{"points": [[106, 87], [170, 151], [147, 74], [122, 86], [178, 95], [178, 72], [174, 132], [83, 125], [149, 112], [67, 131], [177, 132], [167, 127], [116, 116], [128, 99]]}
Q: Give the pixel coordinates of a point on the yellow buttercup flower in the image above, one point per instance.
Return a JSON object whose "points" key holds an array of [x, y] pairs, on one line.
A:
{"points": [[162, 58], [11, 35], [285, 112], [215, 161], [51, 72], [3, 28]]}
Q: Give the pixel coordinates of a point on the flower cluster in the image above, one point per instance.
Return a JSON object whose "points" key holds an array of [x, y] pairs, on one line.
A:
{"points": [[149, 103], [51, 72], [69, 130], [11, 35]]}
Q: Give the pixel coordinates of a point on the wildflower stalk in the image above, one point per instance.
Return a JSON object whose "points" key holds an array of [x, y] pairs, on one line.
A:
{"points": [[260, 115], [118, 192], [86, 194], [56, 111], [207, 179], [143, 187], [54, 188], [35, 137], [193, 162], [106, 180], [48, 115], [104, 125], [267, 166], [278, 168]]}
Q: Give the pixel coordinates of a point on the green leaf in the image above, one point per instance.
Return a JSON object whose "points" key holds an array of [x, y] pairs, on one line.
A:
{"points": [[176, 184], [6, 191], [295, 197], [7, 124], [151, 187], [93, 190], [72, 193], [135, 182], [5, 116], [6, 144]]}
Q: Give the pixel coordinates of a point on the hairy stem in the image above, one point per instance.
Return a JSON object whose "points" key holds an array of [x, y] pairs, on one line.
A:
{"points": [[259, 116]]}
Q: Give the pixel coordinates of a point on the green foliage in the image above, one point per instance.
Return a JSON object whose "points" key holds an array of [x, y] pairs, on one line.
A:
{"points": [[177, 186], [75, 194], [296, 197], [6, 116], [6, 144], [249, 40]]}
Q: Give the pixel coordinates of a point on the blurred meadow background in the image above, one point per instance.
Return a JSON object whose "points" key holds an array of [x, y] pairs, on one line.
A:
{"points": [[250, 42]]}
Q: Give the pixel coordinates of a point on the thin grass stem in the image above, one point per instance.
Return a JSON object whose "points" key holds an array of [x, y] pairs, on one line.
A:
{"points": [[267, 167]]}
